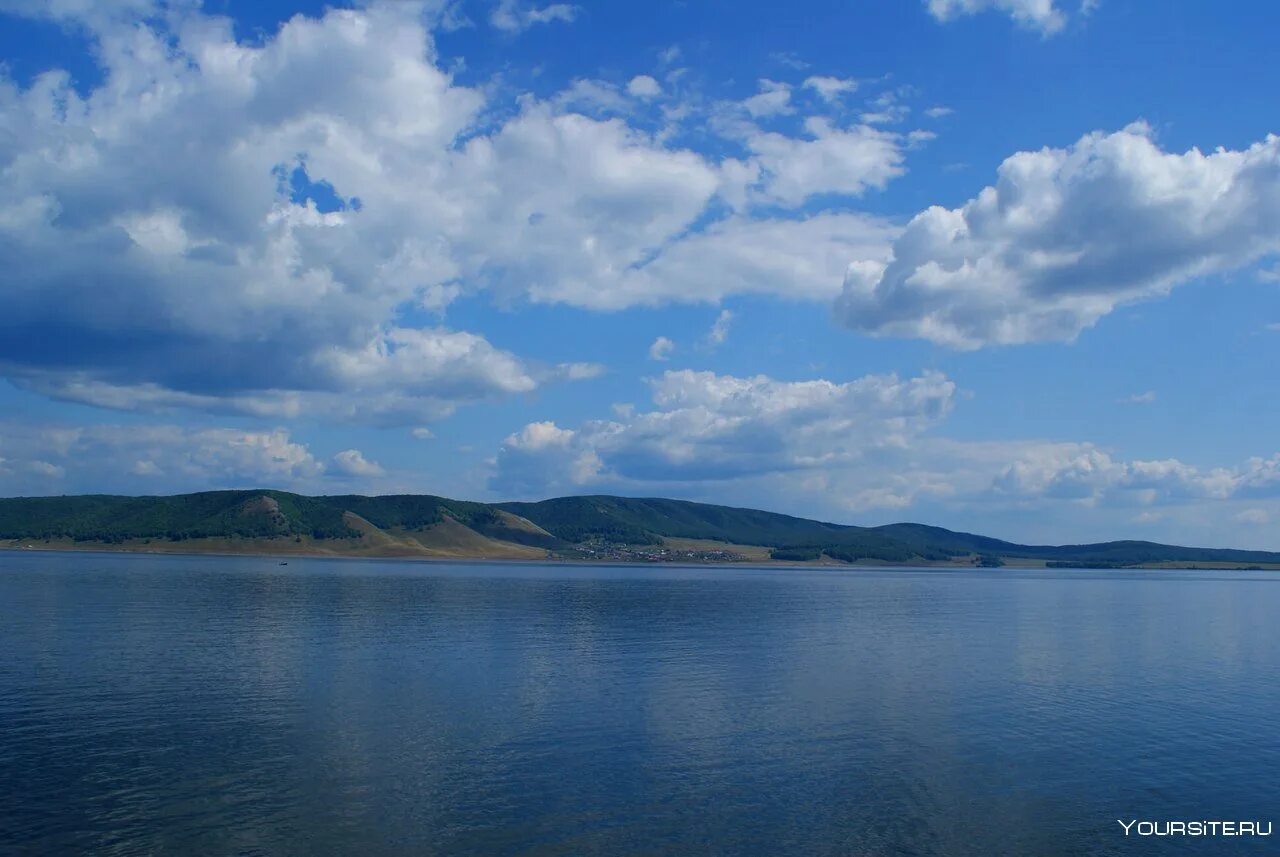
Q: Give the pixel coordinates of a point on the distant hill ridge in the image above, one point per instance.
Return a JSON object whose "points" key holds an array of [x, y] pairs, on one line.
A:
{"points": [[407, 525]]}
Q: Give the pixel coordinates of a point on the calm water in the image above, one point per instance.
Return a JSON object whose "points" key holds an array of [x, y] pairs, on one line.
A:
{"points": [[170, 705]]}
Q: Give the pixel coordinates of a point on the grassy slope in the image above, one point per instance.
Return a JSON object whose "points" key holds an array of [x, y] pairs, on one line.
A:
{"points": [[638, 520], [424, 525]]}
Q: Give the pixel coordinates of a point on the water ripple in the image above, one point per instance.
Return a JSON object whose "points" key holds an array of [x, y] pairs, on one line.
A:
{"points": [[199, 705]]}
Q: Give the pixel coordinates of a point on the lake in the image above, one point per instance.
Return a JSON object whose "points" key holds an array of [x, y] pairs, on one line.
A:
{"points": [[206, 705]]}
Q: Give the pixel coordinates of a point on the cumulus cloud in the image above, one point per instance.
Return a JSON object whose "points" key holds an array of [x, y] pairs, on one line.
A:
{"points": [[150, 459], [773, 99], [241, 226], [714, 427], [571, 203], [182, 235], [1041, 15], [1088, 474], [799, 260], [1067, 235], [527, 454], [661, 349], [644, 86], [592, 97], [351, 462], [829, 159], [539, 436], [839, 449], [402, 376]]}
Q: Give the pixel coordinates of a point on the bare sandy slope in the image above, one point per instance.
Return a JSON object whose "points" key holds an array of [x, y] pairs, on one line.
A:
{"points": [[447, 539]]}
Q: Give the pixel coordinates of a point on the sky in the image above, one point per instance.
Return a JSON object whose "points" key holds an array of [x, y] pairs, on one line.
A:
{"points": [[1004, 266]]}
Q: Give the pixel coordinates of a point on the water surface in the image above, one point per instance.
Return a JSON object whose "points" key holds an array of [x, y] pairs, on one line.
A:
{"points": [[203, 705]]}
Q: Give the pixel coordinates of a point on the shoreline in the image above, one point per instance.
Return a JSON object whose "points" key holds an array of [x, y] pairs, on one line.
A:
{"points": [[1010, 563], [455, 559]]}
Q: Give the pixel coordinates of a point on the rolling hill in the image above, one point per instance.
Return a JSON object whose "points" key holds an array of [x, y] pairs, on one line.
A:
{"points": [[589, 527]]}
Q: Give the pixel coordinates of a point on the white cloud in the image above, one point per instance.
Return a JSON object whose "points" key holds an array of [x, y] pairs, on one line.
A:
{"points": [[661, 349], [830, 88], [715, 427], [169, 187], [1259, 477], [644, 86], [150, 458], [516, 15], [182, 212], [213, 230], [888, 108], [795, 259], [525, 454], [427, 362], [45, 469], [571, 203], [832, 160], [836, 449], [938, 112], [351, 462], [1067, 235], [402, 376], [1086, 473], [719, 332], [539, 436], [92, 13], [423, 433], [147, 468], [1254, 517], [592, 97], [1146, 398], [1040, 15], [917, 138], [773, 99]]}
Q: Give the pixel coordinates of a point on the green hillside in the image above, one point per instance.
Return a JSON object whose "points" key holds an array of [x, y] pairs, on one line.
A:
{"points": [[641, 520], [410, 522], [110, 519], [1121, 552]]}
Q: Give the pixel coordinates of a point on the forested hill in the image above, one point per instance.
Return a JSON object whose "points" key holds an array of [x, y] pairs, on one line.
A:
{"points": [[571, 527]]}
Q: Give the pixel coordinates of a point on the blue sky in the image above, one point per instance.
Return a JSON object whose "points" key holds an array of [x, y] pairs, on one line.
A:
{"points": [[1010, 266]]}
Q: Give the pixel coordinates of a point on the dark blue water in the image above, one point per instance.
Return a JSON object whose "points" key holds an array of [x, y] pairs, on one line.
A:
{"points": [[168, 705]]}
